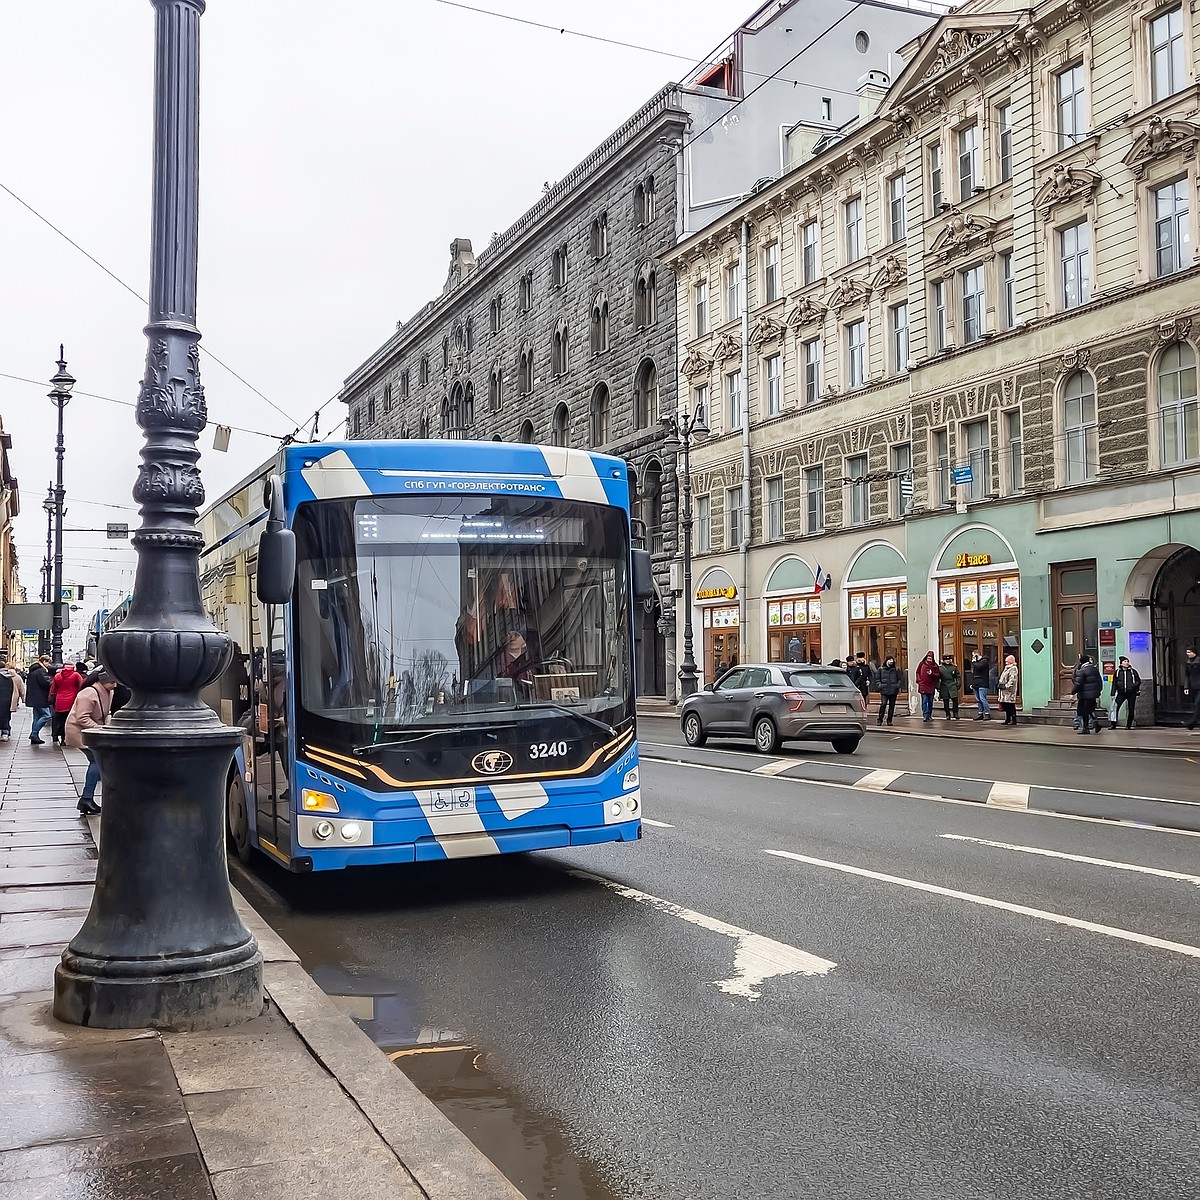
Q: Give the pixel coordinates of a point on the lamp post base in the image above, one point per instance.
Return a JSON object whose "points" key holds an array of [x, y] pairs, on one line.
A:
{"points": [[162, 946], [687, 685]]}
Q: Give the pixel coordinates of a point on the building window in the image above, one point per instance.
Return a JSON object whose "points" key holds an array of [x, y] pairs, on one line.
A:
{"points": [[600, 236], [935, 178], [1080, 452], [495, 389], [897, 216], [468, 406], [939, 453], [643, 201], [600, 418], [733, 291], [773, 502], [856, 354], [469, 335], [902, 479], [645, 299], [733, 396], [1070, 98], [404, 386], [525, 371], [424, 370], [810, 240], [826, 108], [525, 293], [1008, 299], [1172, 234], [735, 517], [1014, 454], [812, 371], [1180, 436], [1004, 141], [969, 175], [814, 499], [700, 308], [494, 310], [773, 369], [854, 229], [445, 353], [1074, 265], [599, 325], [771, 283], [645, 395], [358, 422], [859, 509], [900, 341], [978, 438], [974, 304], [560, 351], [424, 426], [560, 428], [700, 400], [703, 525], [387, 397], [525, 434], [559, 267], [937, 313], [1166, 53], [370, 411]]}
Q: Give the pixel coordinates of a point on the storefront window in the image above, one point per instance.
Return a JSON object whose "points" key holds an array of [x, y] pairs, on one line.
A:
{"points": [[980, 614], [794, 629], [879, 624], [721, 640]]}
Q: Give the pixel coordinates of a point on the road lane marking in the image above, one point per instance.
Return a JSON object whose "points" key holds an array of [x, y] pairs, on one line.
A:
{"points": [[1009, 795], [878, 780], [1161, 872], [657, 824], [755, 958], [1126, 935], [775, 768]]}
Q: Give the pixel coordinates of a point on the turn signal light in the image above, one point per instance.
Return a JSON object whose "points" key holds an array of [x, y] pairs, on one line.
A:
{"points": [[311, 801]]}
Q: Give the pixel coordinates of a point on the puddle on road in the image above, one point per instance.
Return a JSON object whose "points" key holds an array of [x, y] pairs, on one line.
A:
{"points": [[529, 1147]]}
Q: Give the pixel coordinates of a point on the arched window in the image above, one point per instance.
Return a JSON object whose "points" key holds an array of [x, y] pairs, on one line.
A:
{"points": [[469, 335], [600, 324], [387, 397], [560, 431], [370, 411], [526, 434], [495, 310], [425, 425], [560, 357], [404, 389], [525, 371], [497, 438], [452, 417], [1080, 449], [525, 292], [468, 407], [599, 413], [645, 395], [1179, 431], [459, 340], [652, 507], [648, 201], [445, 353], [645, 298], [445, 421], [357, 422], [600, 236], [495, 389], [424, 370]]}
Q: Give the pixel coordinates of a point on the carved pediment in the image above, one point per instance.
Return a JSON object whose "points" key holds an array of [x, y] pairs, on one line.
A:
{"points": [[766, 329], [892, 272], [1066, 183], [962, 232], [953, 46], [848, 293], [697, 363], [1161, 139], [726, 348], [806, 311]]}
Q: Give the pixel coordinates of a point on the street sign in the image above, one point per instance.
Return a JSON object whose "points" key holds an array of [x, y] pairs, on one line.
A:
{"points": [[117, 531], [1110, 624], [962, 475]]}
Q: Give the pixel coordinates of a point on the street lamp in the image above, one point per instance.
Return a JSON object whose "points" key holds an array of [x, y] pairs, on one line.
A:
{"points": [[61, 383], [162, 945], [48, 563], [682, 432]]}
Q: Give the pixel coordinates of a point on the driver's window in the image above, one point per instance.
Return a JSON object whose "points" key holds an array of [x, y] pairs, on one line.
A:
{"points": [[731, 680]]}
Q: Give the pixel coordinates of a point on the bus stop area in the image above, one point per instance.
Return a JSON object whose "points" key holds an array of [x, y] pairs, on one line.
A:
{"points": [[297, 1102]]}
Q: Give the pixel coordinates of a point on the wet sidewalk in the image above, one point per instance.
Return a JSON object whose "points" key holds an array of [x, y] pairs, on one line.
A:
{"points": [[296, 1103]]}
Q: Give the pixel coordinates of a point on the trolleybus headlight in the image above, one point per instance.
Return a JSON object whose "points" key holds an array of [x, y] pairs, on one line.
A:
{"points": [[616, 808], [323, 830], [631, 803], [631, 779], [350, 831], [312, 801]]}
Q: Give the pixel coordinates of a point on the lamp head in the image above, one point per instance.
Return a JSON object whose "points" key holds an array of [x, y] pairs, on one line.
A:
{"points": [[62, 381], [699, 423], [671, 441]]}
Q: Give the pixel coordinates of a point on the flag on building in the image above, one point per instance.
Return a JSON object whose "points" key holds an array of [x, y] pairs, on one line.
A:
{"points": [[822, 580]]}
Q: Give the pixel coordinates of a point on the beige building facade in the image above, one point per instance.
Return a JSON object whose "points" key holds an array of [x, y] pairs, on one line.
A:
{"points": [[949, 362]]}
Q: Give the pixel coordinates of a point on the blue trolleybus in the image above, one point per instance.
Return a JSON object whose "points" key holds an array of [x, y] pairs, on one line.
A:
{"points": [[446, 669]]}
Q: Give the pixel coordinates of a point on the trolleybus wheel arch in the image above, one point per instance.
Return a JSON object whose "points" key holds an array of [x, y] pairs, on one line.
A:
{"points": [[237, 819]]}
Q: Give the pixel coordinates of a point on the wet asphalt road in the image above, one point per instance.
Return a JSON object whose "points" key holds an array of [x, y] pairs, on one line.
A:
{"points": [[956, 1050]]}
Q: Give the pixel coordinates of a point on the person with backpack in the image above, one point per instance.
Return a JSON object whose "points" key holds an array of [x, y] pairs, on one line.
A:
{"points": [[1125, 687], [1086, 687], [12, 695], [64, 687]]}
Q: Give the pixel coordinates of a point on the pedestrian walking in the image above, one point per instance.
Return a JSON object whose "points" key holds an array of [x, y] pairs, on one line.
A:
{"points": [[92, 709], [950, 686], [12, 695], [1086, 686], [860, 673], [64, 687], [37, 696], [1007, 688], [1125, 687], [929, 675], [1191, 683], [981, 678], [890, 685]]}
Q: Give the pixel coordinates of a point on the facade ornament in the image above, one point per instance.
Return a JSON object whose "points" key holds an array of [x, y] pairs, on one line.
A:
{"points": [[1006, 385], [1075, 360], [848, 293], [806, 311], [697, 363], [1162, 138], [766, 329], [726, 348], [903, 120], [1174, 330], [855, 436], [955, 45], [962, 232], [938, 99], [810, 451], [890, 274], [1077, 10], [935, 410], [1015, 48], [1066, 183]]}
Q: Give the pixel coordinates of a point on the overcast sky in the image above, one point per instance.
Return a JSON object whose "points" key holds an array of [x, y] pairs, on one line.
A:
{"points": [[344, 143]]}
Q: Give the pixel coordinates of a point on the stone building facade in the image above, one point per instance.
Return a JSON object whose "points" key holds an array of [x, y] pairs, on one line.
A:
{"points": [[950, 362]]}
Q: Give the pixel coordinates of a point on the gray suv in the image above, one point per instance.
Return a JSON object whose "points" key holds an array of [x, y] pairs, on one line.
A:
{"points": [[778, 702]]}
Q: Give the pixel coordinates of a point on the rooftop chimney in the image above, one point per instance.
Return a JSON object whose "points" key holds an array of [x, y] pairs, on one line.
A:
{"points": [[872, 88], [462, 263]]}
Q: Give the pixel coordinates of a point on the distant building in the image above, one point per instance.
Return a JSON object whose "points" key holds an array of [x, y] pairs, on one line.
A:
{"points": [[10, 574]]}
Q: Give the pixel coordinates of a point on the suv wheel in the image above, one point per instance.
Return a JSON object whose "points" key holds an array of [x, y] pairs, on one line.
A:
{"points": [[693, 731], [766, 736], [846, 745]]}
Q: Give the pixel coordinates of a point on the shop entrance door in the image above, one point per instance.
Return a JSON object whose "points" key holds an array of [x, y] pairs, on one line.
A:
{"points": [[1076, 622], [721, 650], [1175, 622]]}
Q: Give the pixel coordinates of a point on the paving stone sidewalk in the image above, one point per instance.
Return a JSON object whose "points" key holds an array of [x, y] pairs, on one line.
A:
{"points": [[297, 1103]]}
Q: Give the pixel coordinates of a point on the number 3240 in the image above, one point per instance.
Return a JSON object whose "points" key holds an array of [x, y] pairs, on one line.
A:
{"points": [[548, 750]]}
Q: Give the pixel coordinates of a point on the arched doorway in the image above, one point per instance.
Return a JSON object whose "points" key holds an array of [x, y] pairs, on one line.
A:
{"points": [[1174, 625]]}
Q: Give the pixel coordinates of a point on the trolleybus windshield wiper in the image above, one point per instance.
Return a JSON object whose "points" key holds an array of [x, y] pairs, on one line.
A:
{"points": [[566, 710], [427, 732]]}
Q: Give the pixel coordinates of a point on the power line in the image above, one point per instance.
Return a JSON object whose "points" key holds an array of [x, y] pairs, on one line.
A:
{"points": [[71, 499]]}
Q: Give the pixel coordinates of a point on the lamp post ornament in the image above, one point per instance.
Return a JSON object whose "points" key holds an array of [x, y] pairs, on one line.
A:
{"points": [[162, 945], [62, 381]]}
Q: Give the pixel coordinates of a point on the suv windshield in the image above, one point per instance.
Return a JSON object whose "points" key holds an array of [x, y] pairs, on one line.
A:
{"points": [[436, 627]]}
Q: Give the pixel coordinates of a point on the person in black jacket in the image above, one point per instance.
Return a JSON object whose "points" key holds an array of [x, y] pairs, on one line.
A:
{"points": [[890, 684], [860, 673], [1087, 686], [1191, 683], [1126, 685], [981, 679], [37, 696]]}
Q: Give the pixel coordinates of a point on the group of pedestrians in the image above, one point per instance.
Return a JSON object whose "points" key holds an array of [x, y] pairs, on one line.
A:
{"points": [[945, 681]]}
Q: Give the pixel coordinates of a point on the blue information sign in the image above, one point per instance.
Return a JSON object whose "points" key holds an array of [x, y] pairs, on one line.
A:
{"points": [[962, 475]]}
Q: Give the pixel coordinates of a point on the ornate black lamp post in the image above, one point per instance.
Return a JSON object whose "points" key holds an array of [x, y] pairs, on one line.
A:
{"points": [[61, 383], [162, 945], [48, 564], [684, 432]]}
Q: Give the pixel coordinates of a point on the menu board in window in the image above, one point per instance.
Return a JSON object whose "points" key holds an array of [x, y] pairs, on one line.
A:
{"points": [[968, 596], [814, 612], [858, 606], [987, 595], [891, 606], [773, 613], [1010, 593], [904, 602], [801, 617], [948, 597], [787, 613], [874, 605]]}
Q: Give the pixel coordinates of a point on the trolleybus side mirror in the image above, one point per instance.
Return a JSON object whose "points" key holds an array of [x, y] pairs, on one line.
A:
{"points": [[276, 550], [643, 576]]}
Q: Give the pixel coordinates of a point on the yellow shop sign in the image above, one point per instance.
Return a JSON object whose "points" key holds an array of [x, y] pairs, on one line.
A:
{"points": [[720, 593]]}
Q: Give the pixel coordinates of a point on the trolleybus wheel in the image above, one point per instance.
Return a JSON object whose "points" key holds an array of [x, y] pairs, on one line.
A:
{"points": [[236, 818]]}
